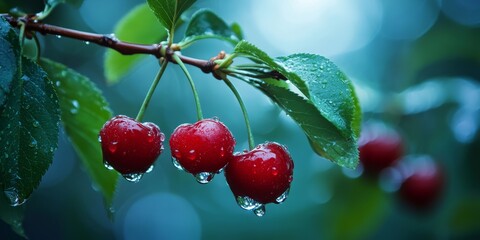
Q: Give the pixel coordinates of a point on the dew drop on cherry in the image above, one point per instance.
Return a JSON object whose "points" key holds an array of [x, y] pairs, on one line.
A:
{"points": [[191, 155], [247, 203], [107, 165], [133, 177], [177, 164], [260, 211], [149, 169], [283, 197], [112, 147], [204, 177]]}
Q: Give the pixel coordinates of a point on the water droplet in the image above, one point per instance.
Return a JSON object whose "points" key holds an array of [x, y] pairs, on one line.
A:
{"points": [[247, 203], [150, 137], [13, 196], [149, 169], [274, 171], [58, 83], [162, 137], [99, 138], [107, 165], [191, 155], [75, 103], [58, 36], [215, 119], [283, 197], [33, 143], [36, 123], [290, 179], [259, 211], [113, 147], [177, 164], [133, 177], [204, 177], [222, 152], [51, 149], [87, 42]]}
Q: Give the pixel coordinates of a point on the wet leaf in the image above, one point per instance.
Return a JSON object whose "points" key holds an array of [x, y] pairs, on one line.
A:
{"points": [[28, 132], [325, 138], [206, 24], [168, 12], [84, 111], [9, 62], [138, 26], [321, 85]]}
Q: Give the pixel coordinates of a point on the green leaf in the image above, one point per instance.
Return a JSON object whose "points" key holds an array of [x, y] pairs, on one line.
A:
{"points": [[321, 84], [325, 138], [13, 216], [168, 12], [138, 26], [84, 111], [9, 62], [327, 87], [28, 132], [54, 3], [206, 24]]}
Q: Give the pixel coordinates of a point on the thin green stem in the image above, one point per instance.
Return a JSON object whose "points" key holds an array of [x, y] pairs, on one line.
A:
{"points": [[150, 92], [192, 85], [38, 48], [251, 143]]}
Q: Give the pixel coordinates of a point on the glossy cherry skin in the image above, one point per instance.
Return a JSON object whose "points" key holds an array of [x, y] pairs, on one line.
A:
{"points": [[262, 174], [380, 151], [423, 187], [206, 146], [129, 146]]}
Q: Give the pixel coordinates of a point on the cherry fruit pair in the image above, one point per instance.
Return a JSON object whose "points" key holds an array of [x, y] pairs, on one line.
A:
{"points": [[257, 177]]}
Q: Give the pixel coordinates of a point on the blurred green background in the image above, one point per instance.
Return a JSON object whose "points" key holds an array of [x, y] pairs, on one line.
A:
{"points": [[416, 67]]}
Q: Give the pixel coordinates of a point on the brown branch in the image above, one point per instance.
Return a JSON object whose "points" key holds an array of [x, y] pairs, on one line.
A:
{"points": [[109, 41]]}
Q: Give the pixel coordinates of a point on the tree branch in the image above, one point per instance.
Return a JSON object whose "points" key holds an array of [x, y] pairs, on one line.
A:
{"points": [[109, 41]]}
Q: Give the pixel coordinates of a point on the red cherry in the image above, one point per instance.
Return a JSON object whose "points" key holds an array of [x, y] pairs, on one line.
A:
{"points": [[423, 187], [130, 147], [202, 149], [260, 176], [379, 149]]}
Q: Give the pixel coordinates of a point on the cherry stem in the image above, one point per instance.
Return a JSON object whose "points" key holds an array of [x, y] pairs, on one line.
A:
{"points": [[150, 92], [251, 143], [192, 85]]}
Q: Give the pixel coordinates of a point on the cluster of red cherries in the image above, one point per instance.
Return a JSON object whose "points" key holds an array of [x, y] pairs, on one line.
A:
{"points": [[203, 149], [420, 178]]}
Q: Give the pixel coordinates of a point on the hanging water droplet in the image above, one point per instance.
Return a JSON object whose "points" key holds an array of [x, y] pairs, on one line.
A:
{"points": [[113, 147], [107, 165], [58, 36], [36, 123], [177, 164], [260, 211], [149, 169], [133, 177], [216, 119], [162, 137], [14, 197], [33, 143], [247, 203], [191, 155], [87, 42], [283, 197], [204, 177]]}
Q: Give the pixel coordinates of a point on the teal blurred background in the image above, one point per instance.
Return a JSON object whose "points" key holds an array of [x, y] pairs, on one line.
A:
{"points": [[416, 67]]}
